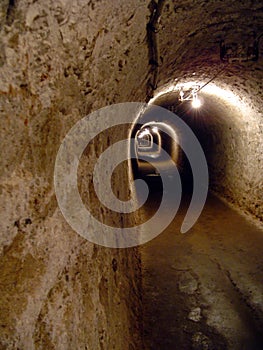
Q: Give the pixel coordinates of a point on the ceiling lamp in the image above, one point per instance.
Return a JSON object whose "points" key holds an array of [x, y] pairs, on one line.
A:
{"points": [[196, 102], [190, 94]]}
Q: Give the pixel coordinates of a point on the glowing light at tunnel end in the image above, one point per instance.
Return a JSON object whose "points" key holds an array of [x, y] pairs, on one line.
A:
{"points": [[66, 179]]}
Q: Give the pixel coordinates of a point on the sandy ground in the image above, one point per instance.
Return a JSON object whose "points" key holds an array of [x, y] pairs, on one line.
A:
{"points": [[204, 289]]}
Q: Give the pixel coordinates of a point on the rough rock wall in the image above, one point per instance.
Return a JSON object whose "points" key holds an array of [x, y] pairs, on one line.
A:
{"points": [[234, 152], [189, 33], [59, 61]]}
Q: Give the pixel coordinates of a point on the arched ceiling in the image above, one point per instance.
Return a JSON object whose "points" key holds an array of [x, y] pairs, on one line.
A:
{"points": [[188, 37], [191, 31], [62, 59]]}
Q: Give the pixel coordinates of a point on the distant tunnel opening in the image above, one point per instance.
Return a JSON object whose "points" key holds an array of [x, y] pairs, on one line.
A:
{"points": [[174, 264], [227, 129]]}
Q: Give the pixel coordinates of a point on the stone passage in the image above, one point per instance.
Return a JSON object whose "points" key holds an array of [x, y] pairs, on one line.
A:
{"points": [[61, 60]]}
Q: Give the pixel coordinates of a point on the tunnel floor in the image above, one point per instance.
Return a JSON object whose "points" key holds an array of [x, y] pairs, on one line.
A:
{"points": [[203, 289]]}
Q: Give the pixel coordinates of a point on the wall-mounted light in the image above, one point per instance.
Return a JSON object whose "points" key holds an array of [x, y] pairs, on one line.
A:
{"points": [[190, 94], [143, 133], [196, 102]]}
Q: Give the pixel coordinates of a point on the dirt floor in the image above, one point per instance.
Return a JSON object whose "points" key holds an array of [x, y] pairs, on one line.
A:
{"points": [[204, 289]]}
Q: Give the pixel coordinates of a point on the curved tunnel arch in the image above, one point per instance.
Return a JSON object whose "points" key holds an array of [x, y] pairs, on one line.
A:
{"points": [[188, 41], [60, 61], [228, 126]]}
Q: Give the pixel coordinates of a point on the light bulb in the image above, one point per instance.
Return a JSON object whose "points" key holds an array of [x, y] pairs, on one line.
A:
{"points": [[196, 103]]}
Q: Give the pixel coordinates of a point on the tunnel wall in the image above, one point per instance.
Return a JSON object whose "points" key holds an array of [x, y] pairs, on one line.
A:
{"points": [[229, 128], [235, 157], [231, 116], [61, 60]]}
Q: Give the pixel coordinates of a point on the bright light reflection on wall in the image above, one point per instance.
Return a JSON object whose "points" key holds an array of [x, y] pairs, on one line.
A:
{"points": [[227, 96]]}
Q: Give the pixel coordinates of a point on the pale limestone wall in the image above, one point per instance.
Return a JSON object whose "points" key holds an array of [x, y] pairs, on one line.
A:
{"points": [[60, 60], [236, 152]]}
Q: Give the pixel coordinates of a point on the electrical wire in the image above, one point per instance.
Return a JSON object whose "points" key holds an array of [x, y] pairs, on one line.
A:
{"points": [[214, 77]]}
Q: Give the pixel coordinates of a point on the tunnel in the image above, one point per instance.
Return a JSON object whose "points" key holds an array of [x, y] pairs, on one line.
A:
{"points": [[78, 272]]}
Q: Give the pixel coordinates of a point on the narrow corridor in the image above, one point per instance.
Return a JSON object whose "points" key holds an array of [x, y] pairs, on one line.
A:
{"points": [[80, 83], [203, 289]]}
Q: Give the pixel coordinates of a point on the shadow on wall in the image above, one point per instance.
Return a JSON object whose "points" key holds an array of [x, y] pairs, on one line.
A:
{"points": [[228, 131]]}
